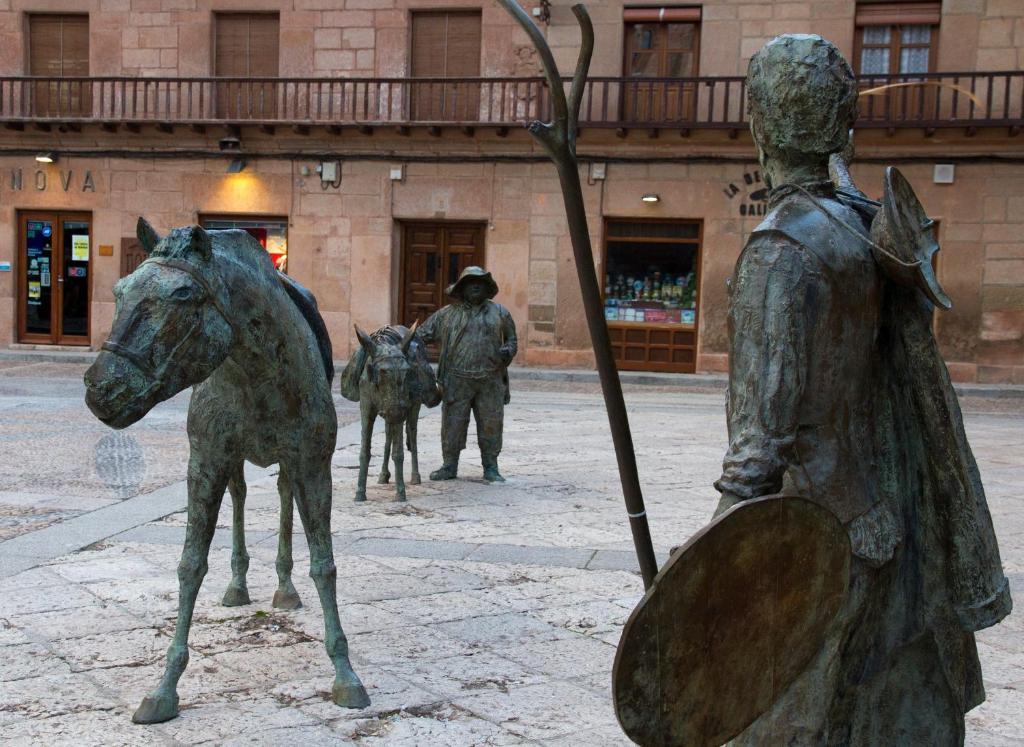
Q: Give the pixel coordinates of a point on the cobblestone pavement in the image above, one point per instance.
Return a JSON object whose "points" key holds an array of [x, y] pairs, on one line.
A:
{"points": [[477, 614]]}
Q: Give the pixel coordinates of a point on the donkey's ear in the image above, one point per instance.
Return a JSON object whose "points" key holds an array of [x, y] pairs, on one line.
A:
{"points": [[147, 235], [366, 341], [409, 335], [199, 244]]}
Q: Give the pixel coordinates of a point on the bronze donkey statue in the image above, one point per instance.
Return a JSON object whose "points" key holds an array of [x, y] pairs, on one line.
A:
{"points": [[390, 376], [208, 310]]}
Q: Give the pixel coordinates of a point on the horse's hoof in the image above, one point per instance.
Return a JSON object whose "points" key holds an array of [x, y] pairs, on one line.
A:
{"points": [[360, 496], [384, 478], [236, 596], [349, 693], [286, 600], [156, 708], [415, 479]]}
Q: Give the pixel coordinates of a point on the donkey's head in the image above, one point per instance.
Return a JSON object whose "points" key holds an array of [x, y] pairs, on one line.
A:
{"points": [[390, 375], [170, 329]]}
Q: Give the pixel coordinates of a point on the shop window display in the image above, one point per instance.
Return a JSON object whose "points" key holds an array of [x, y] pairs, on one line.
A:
{"points": [[272, 233], [651, 272]]}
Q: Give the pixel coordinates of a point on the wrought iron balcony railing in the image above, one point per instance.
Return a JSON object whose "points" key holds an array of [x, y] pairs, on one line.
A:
{"points": [[890, 101]]}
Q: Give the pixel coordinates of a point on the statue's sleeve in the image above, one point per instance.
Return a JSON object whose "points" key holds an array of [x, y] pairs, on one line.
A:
{"points": [[772, 305], [428, 331], [508, 333]]}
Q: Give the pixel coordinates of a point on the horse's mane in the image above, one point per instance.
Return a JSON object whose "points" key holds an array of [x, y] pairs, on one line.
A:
{"points": [[306, 303], [183, 243]]}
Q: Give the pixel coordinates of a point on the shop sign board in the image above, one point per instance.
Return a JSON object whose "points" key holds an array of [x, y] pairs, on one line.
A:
{"points": [[752, 194], [39, 180]]}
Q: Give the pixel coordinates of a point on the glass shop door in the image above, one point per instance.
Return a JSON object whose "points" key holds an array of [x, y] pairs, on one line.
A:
{"points": [[54, 271]]}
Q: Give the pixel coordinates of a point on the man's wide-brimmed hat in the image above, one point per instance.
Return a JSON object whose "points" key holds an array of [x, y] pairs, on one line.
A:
{"points": [[473, 273]]}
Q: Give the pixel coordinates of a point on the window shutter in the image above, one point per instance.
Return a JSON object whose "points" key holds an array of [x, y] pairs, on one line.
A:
{"points": [[894, 14], [58, 45], [247, 45], [463, 54], [264, 42], [429, 31], [231, 54]]}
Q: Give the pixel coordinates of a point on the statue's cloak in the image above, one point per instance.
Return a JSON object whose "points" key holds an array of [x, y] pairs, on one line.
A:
{"points": [[839, 393]]}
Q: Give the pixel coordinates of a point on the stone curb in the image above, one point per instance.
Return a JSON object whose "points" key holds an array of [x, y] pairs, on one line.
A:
{"points": [[564, 375]]}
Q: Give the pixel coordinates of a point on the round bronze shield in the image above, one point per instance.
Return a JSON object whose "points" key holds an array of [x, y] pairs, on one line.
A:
{"points": [[732, 619]]}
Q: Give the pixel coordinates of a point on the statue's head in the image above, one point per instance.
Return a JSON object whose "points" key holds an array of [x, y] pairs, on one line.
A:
{"points": [[169, 330], [802, 98], [474, 286], [390, 373]]}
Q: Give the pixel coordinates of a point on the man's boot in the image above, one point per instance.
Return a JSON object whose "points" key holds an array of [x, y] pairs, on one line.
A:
{"points": [[449, 470], [491, 473]]}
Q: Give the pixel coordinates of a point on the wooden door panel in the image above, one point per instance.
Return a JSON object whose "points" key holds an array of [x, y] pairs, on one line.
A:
{"points": [[433, 257]]}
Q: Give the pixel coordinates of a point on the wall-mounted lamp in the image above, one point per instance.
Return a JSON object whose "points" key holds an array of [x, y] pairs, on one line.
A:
{"points": [[650, 197], [48, 157], [236, 165], [543, 11], [230, 143]]}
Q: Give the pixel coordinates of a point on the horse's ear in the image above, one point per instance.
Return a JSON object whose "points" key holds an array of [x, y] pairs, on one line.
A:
{"points": [[366, 341], [409, 335], [199, 243], [147, 235]]}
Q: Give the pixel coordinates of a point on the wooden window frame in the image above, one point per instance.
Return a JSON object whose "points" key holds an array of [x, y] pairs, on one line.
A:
{"points": [[218, 14], [627, 47], [895, 21]]}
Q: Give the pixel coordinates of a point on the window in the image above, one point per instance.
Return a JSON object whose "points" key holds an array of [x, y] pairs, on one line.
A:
{"points": [[58, 47], [445, 45], [660, 43], [246, 46], [896, 37], [272, 233]]}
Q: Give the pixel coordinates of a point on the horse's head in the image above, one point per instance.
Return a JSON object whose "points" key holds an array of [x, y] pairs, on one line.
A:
{"points": [[170, 329], [390, 374]]}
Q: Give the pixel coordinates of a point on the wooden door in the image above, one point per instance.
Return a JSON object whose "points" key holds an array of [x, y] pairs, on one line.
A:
{"points": [[655, 54], [58, 47], [433, 257], [247, 46], [54, 277], [445, 45]]}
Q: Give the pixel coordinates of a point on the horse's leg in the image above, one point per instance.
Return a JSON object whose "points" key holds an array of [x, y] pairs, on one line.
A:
{"points": [[395, 433], [205, 492], [237, 592], [313, 498], [368, 414], [412, 423], [385, 476], [285, 598]]}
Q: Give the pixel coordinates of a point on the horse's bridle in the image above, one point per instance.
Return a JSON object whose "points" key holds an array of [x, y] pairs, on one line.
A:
{"points": [[140, 361]]}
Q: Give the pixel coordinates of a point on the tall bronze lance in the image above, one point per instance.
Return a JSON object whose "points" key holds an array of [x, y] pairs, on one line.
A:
{"points": [[559, 140]]}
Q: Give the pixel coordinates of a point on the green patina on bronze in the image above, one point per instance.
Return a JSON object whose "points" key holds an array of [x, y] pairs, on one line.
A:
{"points": [[478, 341], [208, 310], [390, 376], [838, 394]]}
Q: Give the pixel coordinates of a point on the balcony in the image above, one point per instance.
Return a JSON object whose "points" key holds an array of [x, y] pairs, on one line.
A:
{"points": [[966, 100]]}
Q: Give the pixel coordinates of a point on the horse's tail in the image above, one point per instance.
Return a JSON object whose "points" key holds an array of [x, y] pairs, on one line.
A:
{"points": [[306, 303]]}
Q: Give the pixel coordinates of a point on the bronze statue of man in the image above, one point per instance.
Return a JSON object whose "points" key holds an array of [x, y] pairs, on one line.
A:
{"points": [[838, 394], [478, 341]]}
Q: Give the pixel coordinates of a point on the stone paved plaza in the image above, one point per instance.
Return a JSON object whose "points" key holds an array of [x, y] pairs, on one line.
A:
{"points": [[476, 614]]}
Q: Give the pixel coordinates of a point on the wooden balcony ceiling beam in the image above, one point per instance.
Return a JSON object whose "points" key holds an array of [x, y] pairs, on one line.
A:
{"points": [[165, 127], [108, 126], [366, 129], [403, 130], [334, 129], [468, 131], [199, 129], [502, 132], [621, 132], [300, 129], [434, 130], [17, 126], [133, 127], [42, 126]]}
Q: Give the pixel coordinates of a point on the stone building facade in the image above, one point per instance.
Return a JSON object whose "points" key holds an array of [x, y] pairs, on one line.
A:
{"points": [[378, 146]]}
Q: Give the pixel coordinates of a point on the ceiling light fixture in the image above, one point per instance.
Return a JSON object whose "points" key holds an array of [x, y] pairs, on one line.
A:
{"points": [[650, 198], [230, 143], [48, 157]]}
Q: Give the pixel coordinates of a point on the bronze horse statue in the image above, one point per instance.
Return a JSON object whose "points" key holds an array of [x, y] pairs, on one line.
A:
{"points": [[390, 376], [208, 310]]}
